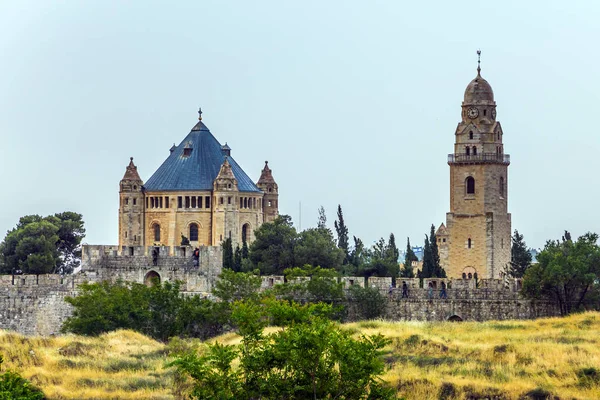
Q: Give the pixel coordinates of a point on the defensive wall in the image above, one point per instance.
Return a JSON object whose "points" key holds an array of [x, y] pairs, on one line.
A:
{"points": [[34, 304]]}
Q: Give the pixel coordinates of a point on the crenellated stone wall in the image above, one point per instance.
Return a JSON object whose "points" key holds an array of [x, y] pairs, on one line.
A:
{"points": [[34, 304]]}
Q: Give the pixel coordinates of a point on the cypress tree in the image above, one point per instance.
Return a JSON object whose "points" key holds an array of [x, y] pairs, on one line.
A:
{"points": [[227, 253], [237, 259], [437, 270], [342, 233], [409, 257], [427, 271]]}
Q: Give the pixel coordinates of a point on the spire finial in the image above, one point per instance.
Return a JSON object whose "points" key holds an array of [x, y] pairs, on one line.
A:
{"points": [[200, 114], [478, 62]]}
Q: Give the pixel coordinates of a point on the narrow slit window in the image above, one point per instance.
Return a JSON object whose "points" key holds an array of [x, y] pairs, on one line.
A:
{"points": [[179, 201]]}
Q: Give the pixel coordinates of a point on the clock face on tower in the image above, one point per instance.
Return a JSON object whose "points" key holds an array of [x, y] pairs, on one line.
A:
{"points": [[472, 112], [494, 113]]}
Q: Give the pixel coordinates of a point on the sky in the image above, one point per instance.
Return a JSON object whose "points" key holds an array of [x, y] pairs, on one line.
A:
{"points": [[351, 102]]}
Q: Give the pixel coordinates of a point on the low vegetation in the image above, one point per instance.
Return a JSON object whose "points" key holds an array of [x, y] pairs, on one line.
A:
{"points": [[542, 359]]}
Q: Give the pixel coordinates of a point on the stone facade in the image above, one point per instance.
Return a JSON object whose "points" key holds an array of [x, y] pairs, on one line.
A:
{"points": [[476, 239], [34, 304], [198, 193]]}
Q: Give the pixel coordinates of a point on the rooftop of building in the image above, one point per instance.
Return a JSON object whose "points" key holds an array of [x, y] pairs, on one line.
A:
{"points": [[194, 164]]}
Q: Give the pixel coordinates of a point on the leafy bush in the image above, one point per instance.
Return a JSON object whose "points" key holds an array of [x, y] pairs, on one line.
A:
{"points": [[369, 302], [310, 358], [14, 387], [160, 311]]}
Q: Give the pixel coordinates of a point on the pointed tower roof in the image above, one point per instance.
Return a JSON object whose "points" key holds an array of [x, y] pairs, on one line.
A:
{"points": [[226, 172], [131, 173], [195, 163], [265, 175], [441, 231]]}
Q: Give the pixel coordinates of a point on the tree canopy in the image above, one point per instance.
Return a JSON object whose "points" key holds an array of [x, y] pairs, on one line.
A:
{"points": [[567, 273], [43, 245]]}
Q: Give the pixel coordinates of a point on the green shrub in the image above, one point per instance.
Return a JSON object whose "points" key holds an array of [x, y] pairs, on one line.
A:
{"points": [[14, 387]]}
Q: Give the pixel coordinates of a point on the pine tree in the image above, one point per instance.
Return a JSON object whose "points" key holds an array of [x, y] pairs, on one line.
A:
{"points": [[227, 253], [342, 233], [427, 271], [409, 257], [322, 222], [520, 258]]}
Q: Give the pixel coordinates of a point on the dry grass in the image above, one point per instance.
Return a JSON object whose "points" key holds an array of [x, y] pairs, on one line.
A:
{"points": [[500, 360], [506, 359]]}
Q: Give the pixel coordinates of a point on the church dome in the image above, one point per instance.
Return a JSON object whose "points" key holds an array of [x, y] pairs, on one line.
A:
{"points": [[478, 90]]}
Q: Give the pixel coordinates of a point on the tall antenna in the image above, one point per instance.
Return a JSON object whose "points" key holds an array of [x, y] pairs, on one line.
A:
{"points": [[300, 217]]}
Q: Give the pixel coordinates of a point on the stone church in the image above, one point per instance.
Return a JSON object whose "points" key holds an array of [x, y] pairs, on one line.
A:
{"points": [[475, 242], [199, 193]]}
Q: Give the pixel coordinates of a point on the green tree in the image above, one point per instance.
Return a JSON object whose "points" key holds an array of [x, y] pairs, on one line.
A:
{"points": [[159, 311], [427, 271], [43, 245], [357, 258], [437, 270], [228, 261], [409, 257], [342, 234], [322, 286], [322, 222], [520, 258], [368, 302], [317, 247], [15, 387], [310, 358], [237, 259], [273, 248], [567, 272], [233, 286]]}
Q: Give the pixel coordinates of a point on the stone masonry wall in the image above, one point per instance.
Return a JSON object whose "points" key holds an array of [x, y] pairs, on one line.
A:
{"points": [[34, 304]]}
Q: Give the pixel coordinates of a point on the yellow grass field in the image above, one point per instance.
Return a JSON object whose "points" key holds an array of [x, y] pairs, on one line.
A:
{"points": [[497, 359]]}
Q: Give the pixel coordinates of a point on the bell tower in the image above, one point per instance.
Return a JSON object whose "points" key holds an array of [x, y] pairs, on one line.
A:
{"points": [[478, 224], [131, 208], [267, 184]]}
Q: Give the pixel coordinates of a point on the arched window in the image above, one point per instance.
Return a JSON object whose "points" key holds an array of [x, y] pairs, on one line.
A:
{"points": [[470, 276], [469, 243], [156, 228], [464, 276], [474, 150], [194, 232], [470, 184], [470, 134], [468, 151], [501, 186]]}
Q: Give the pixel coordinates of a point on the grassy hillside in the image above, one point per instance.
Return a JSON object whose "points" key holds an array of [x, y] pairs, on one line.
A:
{"points": [[426, 360]]}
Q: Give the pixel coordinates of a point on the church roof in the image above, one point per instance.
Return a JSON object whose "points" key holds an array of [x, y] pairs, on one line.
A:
{"points": [[194, 165]]}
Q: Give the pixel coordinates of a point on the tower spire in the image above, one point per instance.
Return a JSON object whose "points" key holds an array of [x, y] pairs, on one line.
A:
{"points": [[478, 62], [200, 114]]}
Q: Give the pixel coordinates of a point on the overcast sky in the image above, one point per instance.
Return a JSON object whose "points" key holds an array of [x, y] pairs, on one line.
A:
{"points": [[352, 102]]}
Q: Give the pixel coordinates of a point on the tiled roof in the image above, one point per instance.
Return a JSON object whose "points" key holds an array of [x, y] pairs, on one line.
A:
{"points": [[197, 170]]}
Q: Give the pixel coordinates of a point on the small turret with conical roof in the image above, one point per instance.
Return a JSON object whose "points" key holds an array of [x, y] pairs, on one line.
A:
{"points": [[226, 214], [131, 207], [267, 184]]}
